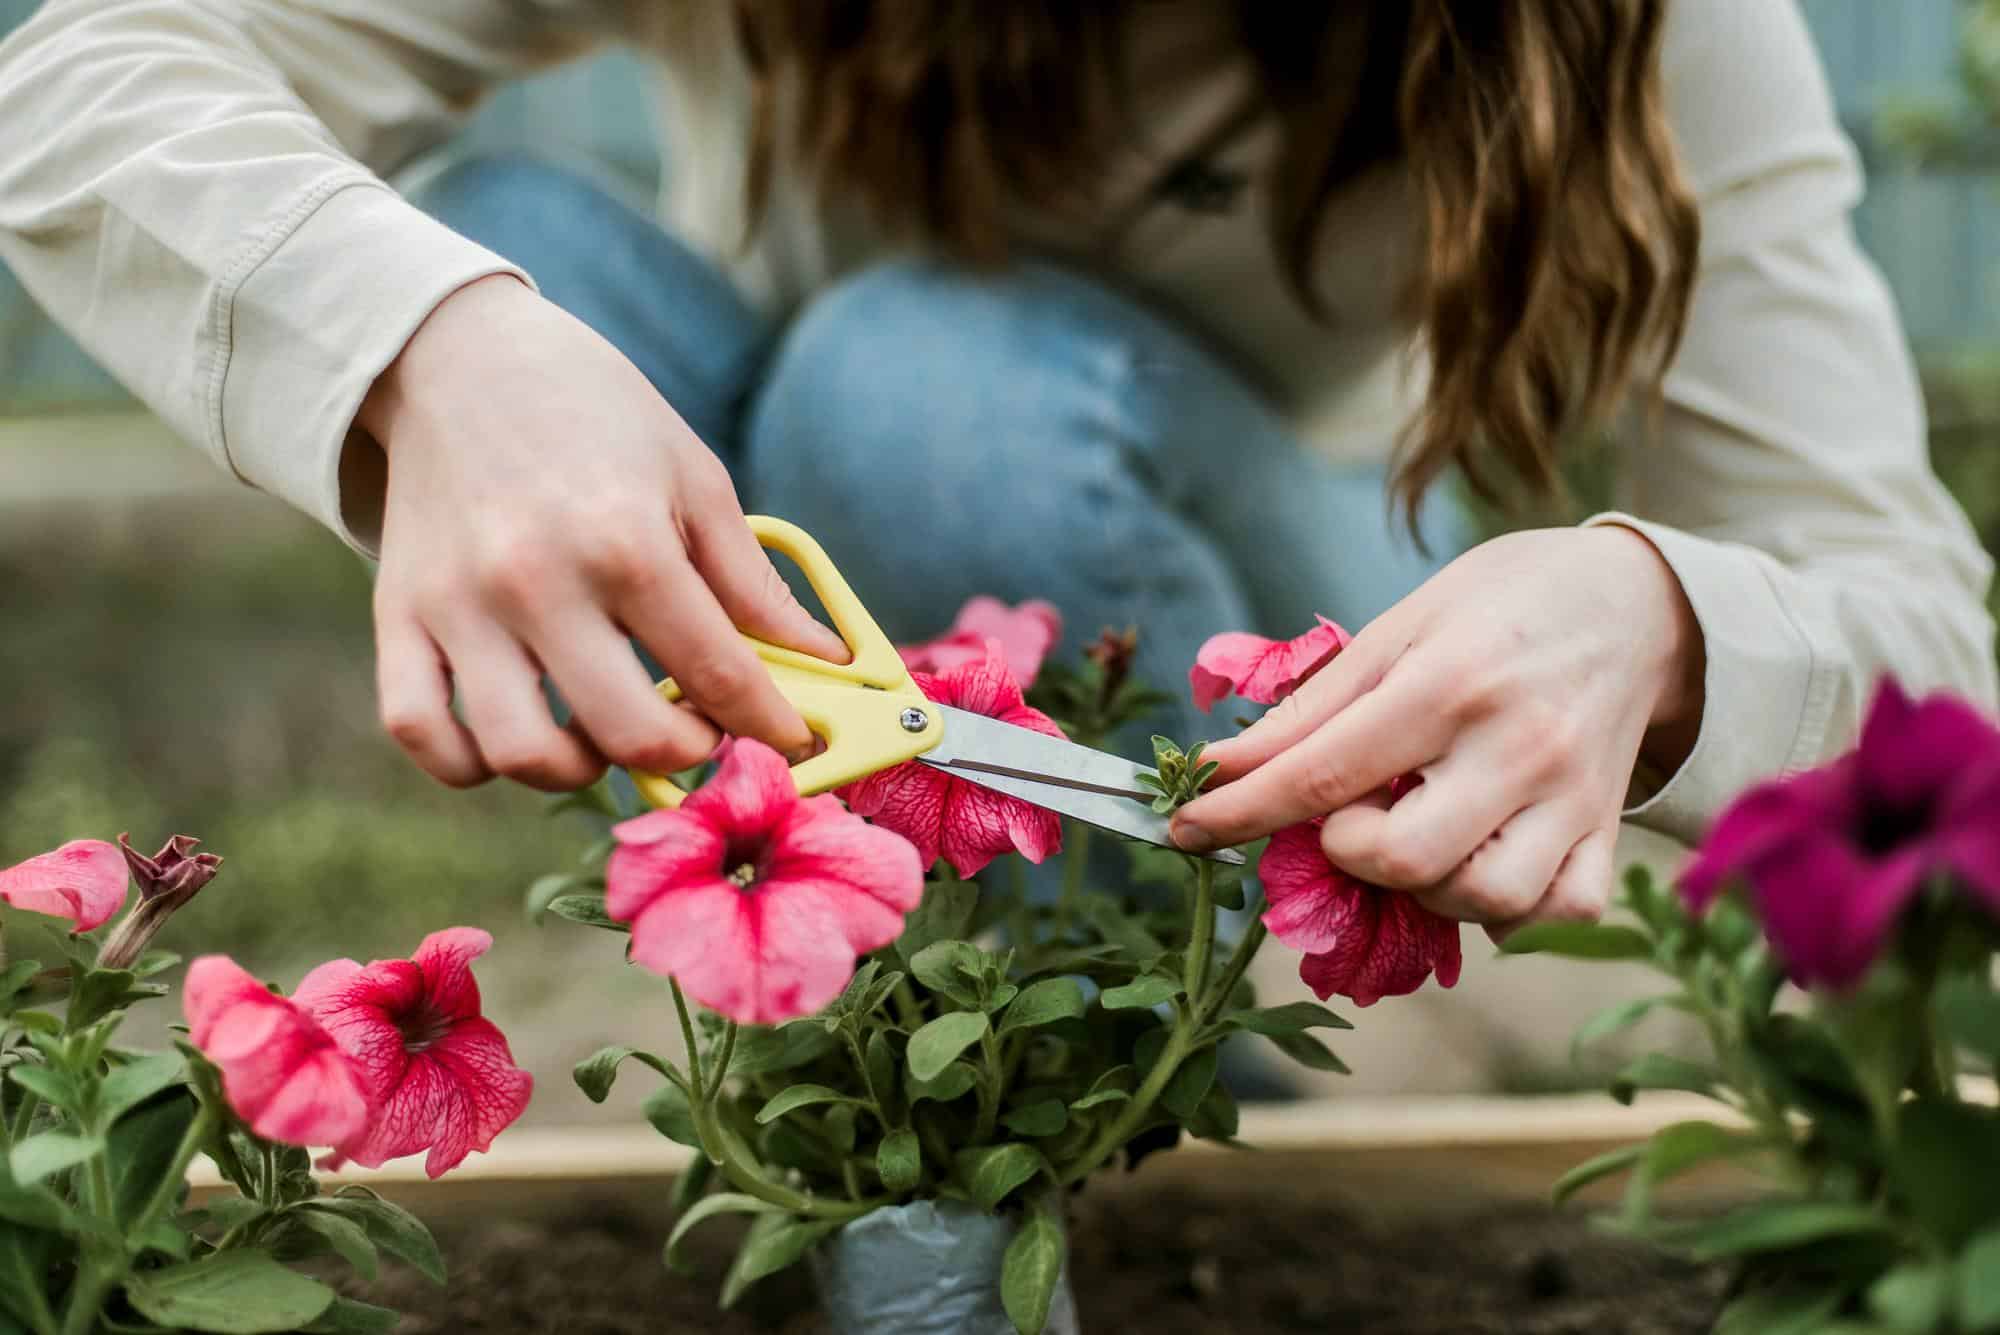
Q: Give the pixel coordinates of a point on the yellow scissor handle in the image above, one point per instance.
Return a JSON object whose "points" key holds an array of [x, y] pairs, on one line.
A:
{"points": [[858, 708]]}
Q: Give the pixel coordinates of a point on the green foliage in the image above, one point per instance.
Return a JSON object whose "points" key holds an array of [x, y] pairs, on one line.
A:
{"points": [[95, 1142], [1881, 1214]]}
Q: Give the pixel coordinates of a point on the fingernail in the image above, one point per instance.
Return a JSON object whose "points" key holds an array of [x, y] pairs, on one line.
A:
{"points": [[1191, 837]]}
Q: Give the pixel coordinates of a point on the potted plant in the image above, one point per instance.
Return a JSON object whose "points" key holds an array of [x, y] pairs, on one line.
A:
{"points": [[96, 1230], [900, 1073], [1834, 939]]}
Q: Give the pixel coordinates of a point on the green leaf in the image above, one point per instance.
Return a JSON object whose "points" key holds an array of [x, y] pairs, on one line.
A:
{"points": [[1292, 1018], [1043, 1117], [1217, 1117], [787, 1047], [900, 1161], [1612, 1019], [1779, 1312], [1308, 1051], [1913, 1297], [348, 1317], [347, 1237], [1978, 1285], [952, 969], [990, 1172], [1578, 941], [880, 1063], [14, 979], [1121, 929], [1189, 1084], [708, 1207], [1032, 1269], [1144, 992], [50, 1153], [1946, 1159], [953, 1082], [692, 1184], [392, 1228], [141, 1149], [1676, 1148], [587, 909], [1042, 1003], [239, 1292], [798, 1096], [668, 1112], [774, 1242], [1099, 1096], [1592, 1169], [135, 1082], [1968, 1011], [1773, 1226], [51, 1086], [1657, 1070], [937, 1044], [595, 1074], [547, 889], [944, 913]]}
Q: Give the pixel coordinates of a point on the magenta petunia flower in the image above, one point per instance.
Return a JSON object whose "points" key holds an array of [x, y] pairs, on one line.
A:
{"points": [[756, 900], [83, 881], [1024, 633], [282, 1072], [1833, 855], [438, 1074], [1265, 671], [945, 817], [1359, 940]]}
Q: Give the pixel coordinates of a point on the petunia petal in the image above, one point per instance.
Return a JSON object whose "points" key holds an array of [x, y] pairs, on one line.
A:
{"points": [[1259, 669], [908, 799], [1338, 968], [494, 1092], [445, 959], [1827, 910], [1968, 840], [824, 842], [1022, 635], [1309, 901], [281, 1072], [1913, 750], [673, 847], [1756, 823], [756, 958], [749, 790], [82, 881]]}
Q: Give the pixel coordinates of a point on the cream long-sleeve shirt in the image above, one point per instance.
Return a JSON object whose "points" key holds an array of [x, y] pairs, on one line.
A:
{"points": [[193, 188]]}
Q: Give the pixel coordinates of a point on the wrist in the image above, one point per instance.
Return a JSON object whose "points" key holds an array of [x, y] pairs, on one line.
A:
{"points": [[449, 337], [1671, 637]]}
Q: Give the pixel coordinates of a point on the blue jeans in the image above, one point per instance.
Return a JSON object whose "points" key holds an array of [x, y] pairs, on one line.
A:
{"points": [[1029, 433]]}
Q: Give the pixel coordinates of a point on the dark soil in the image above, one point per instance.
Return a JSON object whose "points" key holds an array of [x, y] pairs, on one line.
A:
{"points": [[1164, 1262]]}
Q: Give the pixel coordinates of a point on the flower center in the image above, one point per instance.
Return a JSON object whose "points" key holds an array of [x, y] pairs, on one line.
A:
{"points": [[423, 1027], [1886, 827], [744, 861]]}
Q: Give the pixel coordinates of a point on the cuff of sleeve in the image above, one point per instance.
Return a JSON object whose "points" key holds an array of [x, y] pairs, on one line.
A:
{"points": [[1765, 708], [315, 319]]}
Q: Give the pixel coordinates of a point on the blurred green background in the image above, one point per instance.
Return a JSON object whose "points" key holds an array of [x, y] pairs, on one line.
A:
{"points": [[180, 655]]}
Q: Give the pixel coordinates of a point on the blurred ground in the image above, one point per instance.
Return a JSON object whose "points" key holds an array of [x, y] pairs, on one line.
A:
{"points": [[179, 655]]}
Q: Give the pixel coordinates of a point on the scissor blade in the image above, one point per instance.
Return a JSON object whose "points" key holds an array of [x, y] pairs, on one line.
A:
{"points": [[1089, 785]]}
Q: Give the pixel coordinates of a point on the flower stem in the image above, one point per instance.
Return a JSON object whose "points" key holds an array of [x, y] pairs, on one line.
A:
{"points": [[989, 1088], [1133, 1112], [728, 1153], [720, 1071], [1076, 857], [1201, 937], [698, 1086], [93, 1282], [24, 1117], [1232, 972]]}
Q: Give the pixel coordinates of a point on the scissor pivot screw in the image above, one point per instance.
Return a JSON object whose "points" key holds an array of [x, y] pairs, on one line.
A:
{"points": [[915, 720]]}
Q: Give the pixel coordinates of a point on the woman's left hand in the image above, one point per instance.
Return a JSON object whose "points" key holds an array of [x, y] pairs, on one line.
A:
{"points": [[1521, 682]]}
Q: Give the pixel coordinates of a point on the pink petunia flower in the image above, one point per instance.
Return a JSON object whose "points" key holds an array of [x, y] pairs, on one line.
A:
{"points": [[1360, 940], [282, 1073], [1024, 633], [1265, 671], [755, 900], [83, 881], [965, 824], [1834, 855], [438, 1073]]}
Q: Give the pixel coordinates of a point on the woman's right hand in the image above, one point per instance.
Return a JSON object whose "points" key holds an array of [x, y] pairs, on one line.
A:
{"points": [[544, 503]]}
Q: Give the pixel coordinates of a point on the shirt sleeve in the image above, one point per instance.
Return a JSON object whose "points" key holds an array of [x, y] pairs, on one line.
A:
{"points": [[1789, 485], [190, 187]]}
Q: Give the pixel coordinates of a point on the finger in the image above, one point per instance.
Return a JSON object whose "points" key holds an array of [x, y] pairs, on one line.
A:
{"points": [[614, 700], [1423, 838], [1354, 671], [1510, 873], [1582, 886], [673, 613], [753, 595], [1385, 733], [413, 698], [500, 687]]}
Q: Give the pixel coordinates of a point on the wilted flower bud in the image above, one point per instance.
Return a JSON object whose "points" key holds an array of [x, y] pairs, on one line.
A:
{"points": [[166, 881], [1113, 652]]}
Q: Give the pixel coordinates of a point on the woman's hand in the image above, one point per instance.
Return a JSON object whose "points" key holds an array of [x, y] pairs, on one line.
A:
{"points": [[1521, 682], [543, 504]]}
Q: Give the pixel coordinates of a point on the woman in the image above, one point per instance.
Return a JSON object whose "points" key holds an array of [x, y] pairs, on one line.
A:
{"points": [[1134, 306]]}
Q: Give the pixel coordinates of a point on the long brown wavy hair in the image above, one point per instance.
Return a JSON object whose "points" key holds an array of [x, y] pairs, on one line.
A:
{"points": [[1559, 238]]}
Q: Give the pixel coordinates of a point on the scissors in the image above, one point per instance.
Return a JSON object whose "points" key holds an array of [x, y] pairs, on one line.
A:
{"points": [[871, 716]]}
